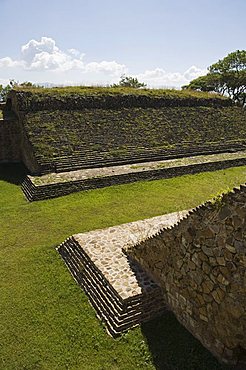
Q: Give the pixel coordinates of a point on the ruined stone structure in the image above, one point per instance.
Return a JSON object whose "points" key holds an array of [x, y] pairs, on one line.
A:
{"points": [[194, 265], [121, 292], [191, 262], [84, 131], [200, 263], [62, 130]]}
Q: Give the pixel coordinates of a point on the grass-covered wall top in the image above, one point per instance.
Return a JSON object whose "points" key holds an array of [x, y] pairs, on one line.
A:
{"points": [[76, 98]]}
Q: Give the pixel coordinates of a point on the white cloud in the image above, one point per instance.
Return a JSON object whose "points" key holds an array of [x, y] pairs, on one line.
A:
{"points": [[160, 78], [7, 62], [33, 48], [107, 67], [194, 72], [45, 56], [76, 53]]}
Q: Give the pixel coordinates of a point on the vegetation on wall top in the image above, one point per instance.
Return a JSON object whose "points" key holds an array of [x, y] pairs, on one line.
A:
{"points": [[79, 97], [120, 90], [128, 81]]}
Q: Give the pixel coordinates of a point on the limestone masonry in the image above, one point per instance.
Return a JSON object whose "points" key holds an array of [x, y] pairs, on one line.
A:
{"points": [[121, 292], [200, 263], [191, 262], [10, 138]]}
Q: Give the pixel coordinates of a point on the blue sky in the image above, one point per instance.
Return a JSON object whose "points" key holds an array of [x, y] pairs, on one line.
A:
{"points": [[162, 42]]}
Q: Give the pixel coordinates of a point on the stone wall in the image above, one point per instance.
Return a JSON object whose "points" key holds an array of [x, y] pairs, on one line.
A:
{"points": [[46, 191], [69, 131], [64, 141], [63, 131], [10, 138], [201, 266], [14, 144]]}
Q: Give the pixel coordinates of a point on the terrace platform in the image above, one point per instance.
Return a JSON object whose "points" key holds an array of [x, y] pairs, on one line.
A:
{"points": [[57, 184], [121, 292]]}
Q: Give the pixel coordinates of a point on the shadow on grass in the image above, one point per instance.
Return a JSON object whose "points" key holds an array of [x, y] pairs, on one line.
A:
{"points": [[173, 348], [13, 173]]}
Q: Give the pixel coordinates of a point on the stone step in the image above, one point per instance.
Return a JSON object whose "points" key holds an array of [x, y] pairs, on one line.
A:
{"points": [[122, 294], [59, 184], [82, 261], [85, 152], [118, 318], [77, 161], [116, 326], [112, 328], [79, 258], [28, 189]]}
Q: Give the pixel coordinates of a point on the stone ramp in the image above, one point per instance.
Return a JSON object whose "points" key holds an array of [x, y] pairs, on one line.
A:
{"points": [[120, 291], [58, 184]]}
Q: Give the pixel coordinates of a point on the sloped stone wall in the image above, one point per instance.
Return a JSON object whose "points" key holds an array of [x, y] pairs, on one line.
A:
{"points": [[201, 266], [10, 138], [69, 131], [15, 146], [64, 141]]}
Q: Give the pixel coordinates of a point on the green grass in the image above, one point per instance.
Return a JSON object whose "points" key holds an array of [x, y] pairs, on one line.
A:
{"points": [[100, 90], [46, 321]]}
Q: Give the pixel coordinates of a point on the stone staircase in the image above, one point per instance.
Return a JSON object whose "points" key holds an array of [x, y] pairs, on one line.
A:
{"points": [[121, 292], [88, 158], [29, 189], [118, 313]]}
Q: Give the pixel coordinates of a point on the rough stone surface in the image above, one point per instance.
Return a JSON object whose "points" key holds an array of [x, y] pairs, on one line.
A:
{"points": [[58, 184], [14, 143], [122, 293], [74, 131], [9, 141], [200, 264]]}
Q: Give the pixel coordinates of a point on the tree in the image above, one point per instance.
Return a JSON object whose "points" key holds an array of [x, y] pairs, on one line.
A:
{"points": [[227, 77], [12, 83], [128, 81], [4, 90]]}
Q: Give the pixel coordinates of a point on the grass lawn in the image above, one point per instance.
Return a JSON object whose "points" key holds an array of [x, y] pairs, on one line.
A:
{"points": [[46, 321]]}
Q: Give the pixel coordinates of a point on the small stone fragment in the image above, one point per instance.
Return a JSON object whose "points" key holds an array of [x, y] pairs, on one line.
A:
{"points": [[221, 261], [218, 295]]}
